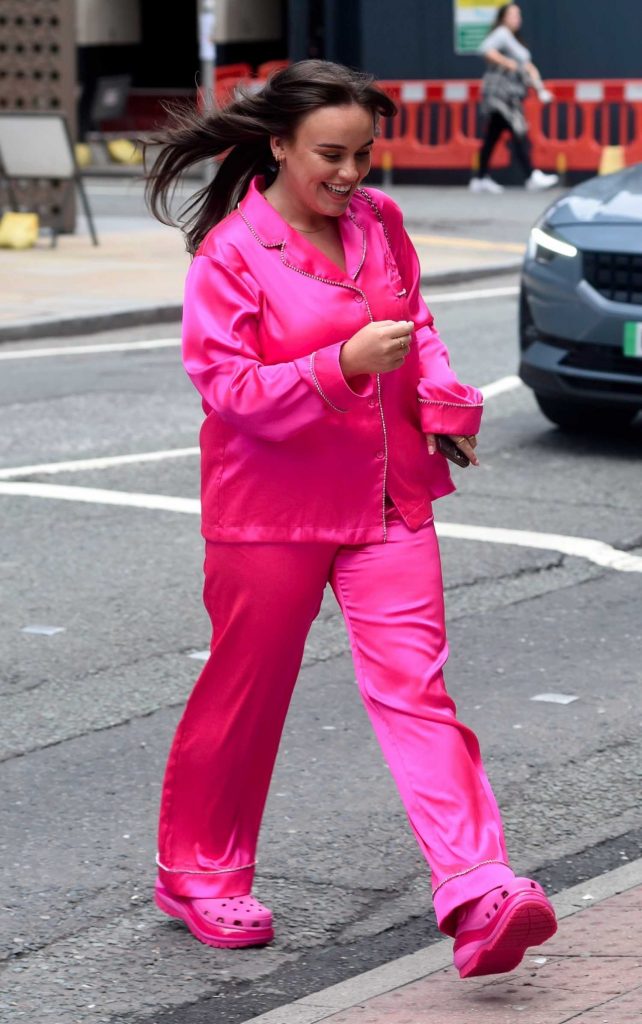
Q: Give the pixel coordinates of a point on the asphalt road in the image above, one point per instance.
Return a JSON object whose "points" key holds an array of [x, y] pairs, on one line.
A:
{"points": [[87, 714]]}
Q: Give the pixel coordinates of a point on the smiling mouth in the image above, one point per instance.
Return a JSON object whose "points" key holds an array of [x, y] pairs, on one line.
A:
{"points": [[336, 190]]}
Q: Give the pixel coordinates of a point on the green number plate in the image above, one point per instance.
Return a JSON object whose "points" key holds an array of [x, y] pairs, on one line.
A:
{"points": [[633, 339]]}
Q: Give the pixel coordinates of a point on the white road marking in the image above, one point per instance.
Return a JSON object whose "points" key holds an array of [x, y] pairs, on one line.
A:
{"points": [[104, 462], [498, 387], [596, 551], [43, 630], [471, 296], [555, 698], [89, 350], [97, 496]]}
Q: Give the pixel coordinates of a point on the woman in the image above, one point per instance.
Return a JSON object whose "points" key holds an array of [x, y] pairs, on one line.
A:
{"points": [[324, 385], [505, 84]]}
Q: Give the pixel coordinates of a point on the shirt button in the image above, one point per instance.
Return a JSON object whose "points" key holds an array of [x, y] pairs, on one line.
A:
{"points": [[358, 298], [372, 402], [380, 455]]}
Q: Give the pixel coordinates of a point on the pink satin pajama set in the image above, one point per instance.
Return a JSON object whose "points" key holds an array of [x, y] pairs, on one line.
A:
{"points": [[307, 479]]}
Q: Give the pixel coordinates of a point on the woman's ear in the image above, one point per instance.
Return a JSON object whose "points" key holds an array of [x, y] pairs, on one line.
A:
{"points": [[278, 151]]}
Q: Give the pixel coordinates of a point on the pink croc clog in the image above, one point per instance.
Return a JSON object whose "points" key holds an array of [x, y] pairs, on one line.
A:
{"points": [[229, 923], [494, 932]]}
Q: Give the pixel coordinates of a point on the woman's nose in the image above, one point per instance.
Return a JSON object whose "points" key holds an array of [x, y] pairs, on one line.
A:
{"points": [[349, 172]]}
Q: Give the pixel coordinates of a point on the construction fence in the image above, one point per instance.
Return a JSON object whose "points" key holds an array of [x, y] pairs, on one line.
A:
{"points": [[439, 126]]}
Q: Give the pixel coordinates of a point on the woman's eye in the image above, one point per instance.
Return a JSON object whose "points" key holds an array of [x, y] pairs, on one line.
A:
{"points": [[336, 156]]}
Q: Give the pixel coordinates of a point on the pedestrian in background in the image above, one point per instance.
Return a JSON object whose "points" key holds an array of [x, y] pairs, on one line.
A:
{"points": [[509, 75], [324, 385]]}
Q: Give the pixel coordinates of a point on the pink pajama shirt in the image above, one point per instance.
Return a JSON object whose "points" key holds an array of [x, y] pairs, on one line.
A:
{"points": [[308, 479], [290, 450]]}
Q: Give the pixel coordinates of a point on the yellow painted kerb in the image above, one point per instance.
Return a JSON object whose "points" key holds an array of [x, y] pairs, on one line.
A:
{"points": [[481, 244]]}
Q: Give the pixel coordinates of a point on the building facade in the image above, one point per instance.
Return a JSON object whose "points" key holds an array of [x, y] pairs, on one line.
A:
{"points": [[415, 38]]}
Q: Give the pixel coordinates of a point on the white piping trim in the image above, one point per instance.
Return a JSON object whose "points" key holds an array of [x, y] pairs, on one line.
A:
{"points": [[266, 245], [319, 388], [385, 465], [363, 245], [359, 291], [467, 871], [451, 405], [215, 871]]}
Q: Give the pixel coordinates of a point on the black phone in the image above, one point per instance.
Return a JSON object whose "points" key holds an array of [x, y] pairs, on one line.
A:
{"points": [[451, 451]]}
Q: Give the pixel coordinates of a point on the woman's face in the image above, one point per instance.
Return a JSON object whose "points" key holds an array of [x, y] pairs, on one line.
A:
{"points": [[513, 18], [328, 157]]}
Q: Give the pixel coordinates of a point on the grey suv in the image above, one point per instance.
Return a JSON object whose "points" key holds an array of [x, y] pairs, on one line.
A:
{"points": [[581, 305]]}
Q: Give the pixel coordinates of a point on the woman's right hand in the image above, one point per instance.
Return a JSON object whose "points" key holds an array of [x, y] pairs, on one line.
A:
{"points": [[377, 348]]}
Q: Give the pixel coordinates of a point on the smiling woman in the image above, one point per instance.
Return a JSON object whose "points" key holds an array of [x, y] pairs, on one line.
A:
{"points": [[317, 179], [255, 132], [324, 384]]}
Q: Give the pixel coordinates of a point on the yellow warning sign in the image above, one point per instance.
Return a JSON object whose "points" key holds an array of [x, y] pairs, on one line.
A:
{"points": [[472, 21]]}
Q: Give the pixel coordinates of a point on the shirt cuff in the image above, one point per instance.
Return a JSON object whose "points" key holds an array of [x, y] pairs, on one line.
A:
{"points": [[328, 379], [449, 417]]}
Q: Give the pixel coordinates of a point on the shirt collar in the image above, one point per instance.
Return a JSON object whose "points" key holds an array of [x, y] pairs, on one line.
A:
{"points": [[270, 229]]}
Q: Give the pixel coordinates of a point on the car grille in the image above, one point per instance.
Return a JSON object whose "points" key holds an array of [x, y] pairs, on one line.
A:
{"points": [[604, 358], [615, 275]]}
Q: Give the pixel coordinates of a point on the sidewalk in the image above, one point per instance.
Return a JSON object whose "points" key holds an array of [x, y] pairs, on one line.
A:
{"points": [[590, 972], [136, 274]]}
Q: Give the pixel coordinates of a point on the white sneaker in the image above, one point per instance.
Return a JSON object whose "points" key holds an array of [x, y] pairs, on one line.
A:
{"points": [[485, 185], [545, 96], [538, 181]]}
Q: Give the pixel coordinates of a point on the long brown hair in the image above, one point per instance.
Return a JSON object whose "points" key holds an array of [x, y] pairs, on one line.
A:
{"points": [[244, 128]]}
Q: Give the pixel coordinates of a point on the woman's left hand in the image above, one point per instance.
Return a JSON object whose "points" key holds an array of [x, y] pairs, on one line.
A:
{"points": [[465, 443]]}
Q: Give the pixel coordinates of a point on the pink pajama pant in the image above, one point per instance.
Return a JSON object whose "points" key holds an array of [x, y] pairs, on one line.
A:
{"points": [[262, 599]]}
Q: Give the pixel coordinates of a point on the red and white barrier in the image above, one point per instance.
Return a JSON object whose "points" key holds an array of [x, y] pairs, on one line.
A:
{"points": [[438, 125]]}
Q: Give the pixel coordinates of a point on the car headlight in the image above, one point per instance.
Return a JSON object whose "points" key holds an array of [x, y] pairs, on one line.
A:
{"points": [[544, 245]]}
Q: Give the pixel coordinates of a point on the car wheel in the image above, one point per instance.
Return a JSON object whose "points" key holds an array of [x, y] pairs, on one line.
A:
{"points": [[582, 417]]}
